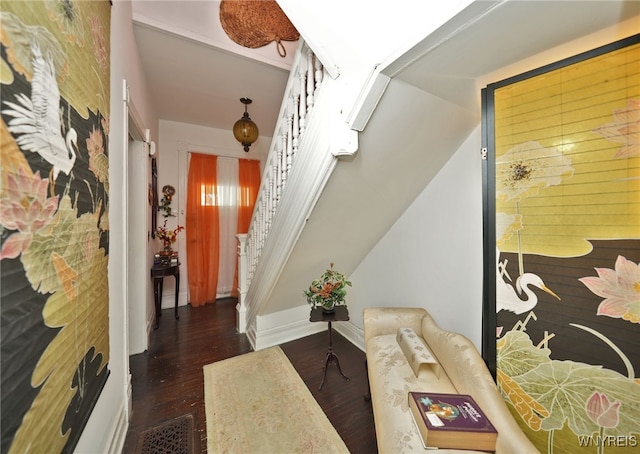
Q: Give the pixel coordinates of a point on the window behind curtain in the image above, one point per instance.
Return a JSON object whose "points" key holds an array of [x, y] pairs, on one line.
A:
{"points": [[228, 212], [228, 195]]}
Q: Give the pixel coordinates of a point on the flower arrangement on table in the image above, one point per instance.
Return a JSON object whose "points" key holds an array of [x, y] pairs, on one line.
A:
{"points": [[167, 236], [328, 291]]}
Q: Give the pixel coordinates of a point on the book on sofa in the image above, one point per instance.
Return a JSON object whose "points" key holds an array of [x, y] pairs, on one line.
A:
{"points": [[451, 421]]}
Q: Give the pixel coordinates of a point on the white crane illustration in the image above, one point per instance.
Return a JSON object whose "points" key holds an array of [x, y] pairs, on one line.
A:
{"points": [[37, 119], [507, 299]]}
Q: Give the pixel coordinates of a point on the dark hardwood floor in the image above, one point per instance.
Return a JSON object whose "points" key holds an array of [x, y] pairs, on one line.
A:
{"points": [[167, 380]]}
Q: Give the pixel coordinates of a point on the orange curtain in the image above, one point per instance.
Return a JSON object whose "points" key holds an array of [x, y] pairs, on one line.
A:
{"points": [[248, 186], [202, 229]]}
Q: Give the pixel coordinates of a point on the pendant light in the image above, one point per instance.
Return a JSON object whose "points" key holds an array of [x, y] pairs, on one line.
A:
{"points": [[245, 130]]}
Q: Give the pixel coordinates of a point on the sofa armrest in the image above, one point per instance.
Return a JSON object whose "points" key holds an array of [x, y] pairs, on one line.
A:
{"points": [[387, 320], [469, 374]]}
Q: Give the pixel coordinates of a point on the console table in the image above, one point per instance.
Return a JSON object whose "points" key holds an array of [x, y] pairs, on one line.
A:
{"points": [[158, 272], [341, 314]]}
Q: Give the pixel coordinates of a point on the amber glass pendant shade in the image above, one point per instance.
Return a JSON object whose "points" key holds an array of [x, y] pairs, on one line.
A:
{"points": [[245, 130]]}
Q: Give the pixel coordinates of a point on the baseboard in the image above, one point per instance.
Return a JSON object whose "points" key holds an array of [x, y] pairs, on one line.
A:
{"points": [[286, 333], [291, 324], [251, 335], [151, 320], [352, 333], [283, 326], [169, 299], [120, 429]]}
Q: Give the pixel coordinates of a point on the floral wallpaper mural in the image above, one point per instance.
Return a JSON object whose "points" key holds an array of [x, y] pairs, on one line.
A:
{"points": [[54, 230], [567, 239]]}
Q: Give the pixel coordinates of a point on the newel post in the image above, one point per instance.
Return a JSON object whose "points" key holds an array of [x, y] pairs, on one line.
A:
{"points": [[241, 308]]}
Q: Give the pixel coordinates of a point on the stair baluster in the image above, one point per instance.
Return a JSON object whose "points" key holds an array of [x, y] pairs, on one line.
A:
{"points": [[304, 81]]}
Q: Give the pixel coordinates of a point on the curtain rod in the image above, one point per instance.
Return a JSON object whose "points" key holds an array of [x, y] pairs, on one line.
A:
{"points": [[224, 156]]}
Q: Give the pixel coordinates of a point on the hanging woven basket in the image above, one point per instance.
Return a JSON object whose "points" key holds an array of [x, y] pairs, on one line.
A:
{"points": [[256, 23]]}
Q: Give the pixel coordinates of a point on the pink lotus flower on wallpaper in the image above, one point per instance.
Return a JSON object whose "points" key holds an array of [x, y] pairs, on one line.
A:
{"points": [[601, 411], [26, 208], [95, 144], [620, 288], [625, 129], [100, 45]]}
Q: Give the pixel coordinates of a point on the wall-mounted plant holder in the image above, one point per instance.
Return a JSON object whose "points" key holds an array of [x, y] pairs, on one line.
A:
{"points": [[168, 192]]}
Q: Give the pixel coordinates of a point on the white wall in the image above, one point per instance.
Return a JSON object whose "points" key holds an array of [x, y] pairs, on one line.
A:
{"points": [[142, 111], [432, 256], [140, 288], [107, 426], [176, 141]]}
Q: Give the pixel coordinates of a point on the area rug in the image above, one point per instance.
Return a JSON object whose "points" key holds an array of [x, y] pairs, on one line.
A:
{"points": [[257, 403], [171, 437]]}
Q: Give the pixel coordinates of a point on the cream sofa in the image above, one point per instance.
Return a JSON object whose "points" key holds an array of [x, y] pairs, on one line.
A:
{"points": [[458, 368]]}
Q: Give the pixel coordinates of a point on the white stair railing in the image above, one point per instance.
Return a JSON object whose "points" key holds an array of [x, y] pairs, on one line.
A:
{"points": [[297, 105], [307, 75]]}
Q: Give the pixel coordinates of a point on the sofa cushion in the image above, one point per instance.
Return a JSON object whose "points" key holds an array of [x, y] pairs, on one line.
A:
{"points": [[416, 351], [391, 378]]}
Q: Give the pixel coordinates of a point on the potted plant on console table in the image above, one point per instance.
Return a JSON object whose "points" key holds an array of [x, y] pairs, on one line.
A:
{"points": [[329, 291], [168, 237]]}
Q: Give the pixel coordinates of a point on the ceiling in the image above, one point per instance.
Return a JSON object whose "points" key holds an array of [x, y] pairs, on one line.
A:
{"points": [[480, 45], [195, 74]]}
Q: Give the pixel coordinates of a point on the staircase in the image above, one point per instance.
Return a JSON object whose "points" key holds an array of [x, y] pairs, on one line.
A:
{"points": [[301, 159], [322, 202], [395, 99]]}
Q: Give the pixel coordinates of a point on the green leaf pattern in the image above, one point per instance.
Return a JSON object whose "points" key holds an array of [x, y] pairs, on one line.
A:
{"points": [[564, 387], [68, 236], [518, 355]]}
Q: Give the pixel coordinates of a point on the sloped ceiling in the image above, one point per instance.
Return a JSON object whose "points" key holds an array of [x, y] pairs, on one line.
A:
{"points": [[488, 36], [431, 105]]}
